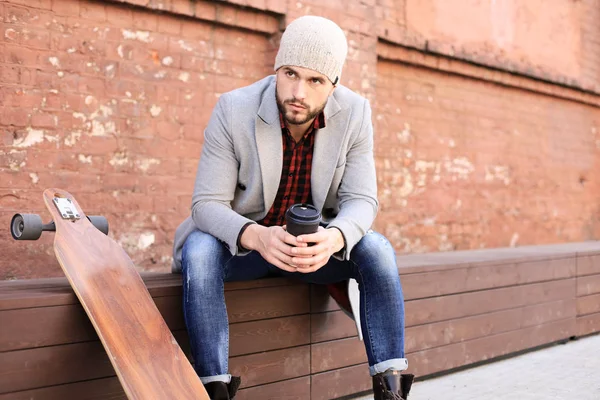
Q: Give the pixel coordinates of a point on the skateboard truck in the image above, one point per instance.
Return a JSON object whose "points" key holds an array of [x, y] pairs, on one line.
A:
{"points": [[30, 226]]}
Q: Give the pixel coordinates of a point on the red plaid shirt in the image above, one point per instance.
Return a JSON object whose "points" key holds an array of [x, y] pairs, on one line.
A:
{"points": [[294, 186]]}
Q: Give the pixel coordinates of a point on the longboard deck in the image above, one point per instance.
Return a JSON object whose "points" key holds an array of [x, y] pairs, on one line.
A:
{"points": [[148, 361]]}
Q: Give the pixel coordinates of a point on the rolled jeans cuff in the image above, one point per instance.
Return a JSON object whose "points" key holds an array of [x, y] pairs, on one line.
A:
{"points": [[397, 364], [217, 378]]}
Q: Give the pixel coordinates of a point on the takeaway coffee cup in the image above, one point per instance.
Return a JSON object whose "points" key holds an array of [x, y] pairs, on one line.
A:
{"points": [[302, 219]]}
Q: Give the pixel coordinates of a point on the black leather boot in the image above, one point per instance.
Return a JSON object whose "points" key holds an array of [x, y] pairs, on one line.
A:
{"points": [[223, 391], [392, 385]]}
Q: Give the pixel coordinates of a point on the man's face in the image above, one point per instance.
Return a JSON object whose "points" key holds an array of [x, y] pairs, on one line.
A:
{"points": [[301, 94]]}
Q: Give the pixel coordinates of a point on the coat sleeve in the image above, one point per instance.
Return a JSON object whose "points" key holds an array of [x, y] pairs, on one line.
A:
{"points": [[216, 180], [358, 202]]}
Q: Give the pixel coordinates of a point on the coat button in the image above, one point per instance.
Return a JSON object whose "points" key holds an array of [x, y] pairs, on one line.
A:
{"points": [[242, 186]]}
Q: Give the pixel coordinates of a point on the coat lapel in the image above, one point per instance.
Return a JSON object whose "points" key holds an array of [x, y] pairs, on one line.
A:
{"points": [[328, 144], [269, 144]]}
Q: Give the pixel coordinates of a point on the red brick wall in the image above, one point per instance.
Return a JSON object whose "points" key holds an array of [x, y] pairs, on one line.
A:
{"points": [[108, 99], [557, 42], [466, 164]]}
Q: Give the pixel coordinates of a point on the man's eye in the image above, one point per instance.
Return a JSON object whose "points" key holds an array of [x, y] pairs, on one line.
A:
{"points": [[316, 81], [290, 73]]}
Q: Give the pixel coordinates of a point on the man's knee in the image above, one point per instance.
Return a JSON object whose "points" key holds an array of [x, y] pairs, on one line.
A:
{"points": [[375, 252], [202, 256]]}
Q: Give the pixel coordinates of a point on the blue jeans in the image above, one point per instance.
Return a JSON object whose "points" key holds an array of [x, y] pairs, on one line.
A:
{"points": [[207, 264]]}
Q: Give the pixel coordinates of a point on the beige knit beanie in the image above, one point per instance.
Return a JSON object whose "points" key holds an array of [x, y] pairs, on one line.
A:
{"points": [[315, 43]]}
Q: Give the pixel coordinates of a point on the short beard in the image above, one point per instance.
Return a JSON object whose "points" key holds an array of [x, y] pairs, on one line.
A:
{"points": [[311, 114]]}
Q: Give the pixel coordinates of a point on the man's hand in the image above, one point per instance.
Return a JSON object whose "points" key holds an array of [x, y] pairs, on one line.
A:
{"points": [[273, 243], [310, 258]]}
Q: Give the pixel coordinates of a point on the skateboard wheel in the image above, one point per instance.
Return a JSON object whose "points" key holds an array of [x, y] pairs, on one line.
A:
{"points": [[100, 222], [26, 226]]}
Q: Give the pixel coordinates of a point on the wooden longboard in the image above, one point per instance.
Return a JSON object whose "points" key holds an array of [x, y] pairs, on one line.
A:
{"points": [[148, 361]]}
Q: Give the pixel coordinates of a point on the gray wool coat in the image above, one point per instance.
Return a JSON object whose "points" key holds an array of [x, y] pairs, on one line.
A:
{"points": [[242, 157]]}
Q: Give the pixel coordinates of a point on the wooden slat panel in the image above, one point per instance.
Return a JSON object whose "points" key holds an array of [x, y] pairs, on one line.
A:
{"points": [[434, 284], [588, 305], [443, 333], [54, 325], [436, 261], [168, 284], [270, 334], [588, 324], [33, 284], [36, 293], [587, 285], [57, 291], [97, 389], [547, 270], [455, 355], [110, 388], [46, 366], [346, 352], [341, 382], [474, 303], [588, 265], [337, 354], [479, 277], [437, 334], [271, 366], [256, 304], [56, 365], [330, 326], [65, 324], [293, 389], [437, 283], [547, 312]]}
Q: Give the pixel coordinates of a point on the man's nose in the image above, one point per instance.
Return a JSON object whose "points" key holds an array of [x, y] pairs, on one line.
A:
{"points": [[300, 90]]}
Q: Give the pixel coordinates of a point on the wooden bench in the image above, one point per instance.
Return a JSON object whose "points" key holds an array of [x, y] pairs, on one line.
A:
{"points": [[289, 340]]}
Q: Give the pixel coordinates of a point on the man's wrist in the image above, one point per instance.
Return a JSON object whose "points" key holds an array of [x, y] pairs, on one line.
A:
{"points": [[248, 237], [340, 240], [239, 239]]}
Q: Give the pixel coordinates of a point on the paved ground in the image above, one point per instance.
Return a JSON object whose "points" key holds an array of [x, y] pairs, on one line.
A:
{"points": [[562, 372]]}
